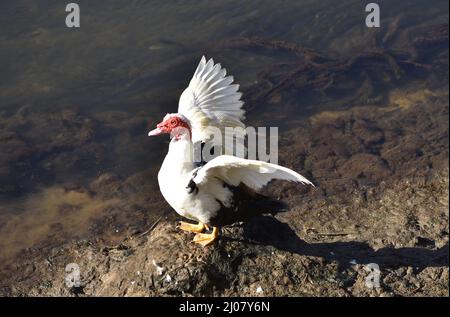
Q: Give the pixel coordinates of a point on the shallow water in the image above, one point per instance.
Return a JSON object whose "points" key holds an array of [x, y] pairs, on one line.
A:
{"points": [[76, 104]]}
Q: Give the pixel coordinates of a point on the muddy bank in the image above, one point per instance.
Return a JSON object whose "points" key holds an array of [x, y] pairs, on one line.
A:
{"points": [[382, 197]]}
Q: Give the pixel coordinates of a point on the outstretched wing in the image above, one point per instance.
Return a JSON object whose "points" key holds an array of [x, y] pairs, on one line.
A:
{"points": [[211, 100], [254, 174]]}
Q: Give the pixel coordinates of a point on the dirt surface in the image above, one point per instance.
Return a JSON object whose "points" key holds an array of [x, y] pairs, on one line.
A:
{"points": [[381, 196]]}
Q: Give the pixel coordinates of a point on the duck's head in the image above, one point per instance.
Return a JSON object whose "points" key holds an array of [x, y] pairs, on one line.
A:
{"points": [[175, 124]]}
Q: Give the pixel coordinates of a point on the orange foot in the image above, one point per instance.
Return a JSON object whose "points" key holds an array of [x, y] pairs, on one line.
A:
{"points": [[205, 239], [185, 226]]}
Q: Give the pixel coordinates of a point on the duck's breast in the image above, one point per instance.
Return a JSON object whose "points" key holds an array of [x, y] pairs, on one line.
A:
{"points": [[198, 205]]}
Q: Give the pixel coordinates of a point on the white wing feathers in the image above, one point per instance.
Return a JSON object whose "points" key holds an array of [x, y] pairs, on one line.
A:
{"points": [[254, 174], [211, 100]]}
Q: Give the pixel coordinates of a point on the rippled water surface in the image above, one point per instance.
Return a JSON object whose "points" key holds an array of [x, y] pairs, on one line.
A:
{"points": [[76, 104]]}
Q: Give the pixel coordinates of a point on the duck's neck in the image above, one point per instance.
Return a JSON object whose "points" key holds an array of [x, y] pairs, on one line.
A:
{"points": [[180, 156]]}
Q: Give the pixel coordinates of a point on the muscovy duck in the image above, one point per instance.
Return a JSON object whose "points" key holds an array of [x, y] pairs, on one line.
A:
{"points": [[222, 191]]}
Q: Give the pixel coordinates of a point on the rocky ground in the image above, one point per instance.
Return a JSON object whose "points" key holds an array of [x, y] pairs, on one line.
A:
{"points": [[381, 197]]}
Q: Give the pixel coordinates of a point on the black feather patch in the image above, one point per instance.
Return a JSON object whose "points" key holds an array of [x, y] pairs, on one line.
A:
{"points": [[192, 187]]}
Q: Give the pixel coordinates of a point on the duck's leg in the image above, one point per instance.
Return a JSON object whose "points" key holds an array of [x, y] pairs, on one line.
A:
{"points": [[190, 227], [205, 239]]}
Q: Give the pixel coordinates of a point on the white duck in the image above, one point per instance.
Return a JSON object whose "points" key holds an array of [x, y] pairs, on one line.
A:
{"points": [[221, 191]]}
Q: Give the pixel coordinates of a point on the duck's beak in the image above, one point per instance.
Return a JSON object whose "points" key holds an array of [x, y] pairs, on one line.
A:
{"points": [[156, 131]]}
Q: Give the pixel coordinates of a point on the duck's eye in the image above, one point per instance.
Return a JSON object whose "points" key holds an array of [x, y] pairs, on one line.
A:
{"points": [[173, 122]]}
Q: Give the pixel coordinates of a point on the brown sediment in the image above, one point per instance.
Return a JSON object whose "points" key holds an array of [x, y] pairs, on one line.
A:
{"points": [[54, 212]]}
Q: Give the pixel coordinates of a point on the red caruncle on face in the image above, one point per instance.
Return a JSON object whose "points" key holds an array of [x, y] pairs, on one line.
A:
{"points": [[172, 124]]}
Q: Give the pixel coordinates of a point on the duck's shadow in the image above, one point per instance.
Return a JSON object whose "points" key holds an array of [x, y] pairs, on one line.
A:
{"points": [[269, 231]]}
